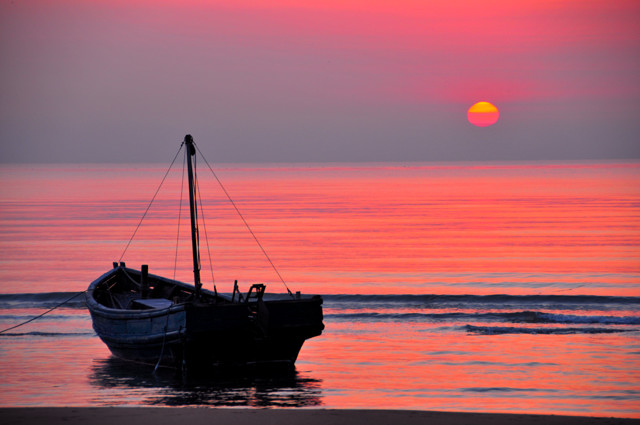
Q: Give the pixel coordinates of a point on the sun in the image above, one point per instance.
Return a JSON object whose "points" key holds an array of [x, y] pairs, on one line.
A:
{"points": [[483, 114]]}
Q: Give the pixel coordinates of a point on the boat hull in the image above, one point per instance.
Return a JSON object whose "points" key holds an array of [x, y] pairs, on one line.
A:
{"points": [[142, 337], [205, 334], [235, 335]]}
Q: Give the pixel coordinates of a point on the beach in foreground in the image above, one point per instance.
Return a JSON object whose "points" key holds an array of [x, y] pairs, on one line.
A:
{"points": [[202, 416]]}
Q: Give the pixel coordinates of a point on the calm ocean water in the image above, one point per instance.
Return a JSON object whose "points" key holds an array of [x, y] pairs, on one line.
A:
{"points": [[463, 287]]}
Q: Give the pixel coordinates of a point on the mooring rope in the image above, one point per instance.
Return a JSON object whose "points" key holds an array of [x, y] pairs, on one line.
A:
{"points": [[243, 219], [151, 202], [40, 315], [138, 284], [164, 338]]}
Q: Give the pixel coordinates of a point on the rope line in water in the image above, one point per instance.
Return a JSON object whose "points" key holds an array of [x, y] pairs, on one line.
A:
{"points": [[39, 316], [245, 221]]}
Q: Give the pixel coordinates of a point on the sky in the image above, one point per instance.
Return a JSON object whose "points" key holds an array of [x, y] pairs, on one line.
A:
{"points": [[318, 81]]}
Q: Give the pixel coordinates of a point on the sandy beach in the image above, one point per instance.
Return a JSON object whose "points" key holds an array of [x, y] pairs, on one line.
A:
{"points": [[202, 416]]}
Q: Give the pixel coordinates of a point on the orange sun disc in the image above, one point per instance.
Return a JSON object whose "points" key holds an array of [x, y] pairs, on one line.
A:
{"points": [[483, 114]]}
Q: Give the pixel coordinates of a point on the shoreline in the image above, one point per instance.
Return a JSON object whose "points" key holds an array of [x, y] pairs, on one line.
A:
{"points": [[245, 416]]}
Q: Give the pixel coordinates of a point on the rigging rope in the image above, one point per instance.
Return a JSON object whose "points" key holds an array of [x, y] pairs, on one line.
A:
{"points": [[151, 202], [175, 261], [202, 212], [195, 210], [206, 236], [39, 316], [243, 219]]}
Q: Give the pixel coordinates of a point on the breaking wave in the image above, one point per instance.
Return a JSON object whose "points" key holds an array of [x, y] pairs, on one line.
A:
{"points": [[41, 300], [511, 317], [486, 301], [503, 330], [47, 334]]}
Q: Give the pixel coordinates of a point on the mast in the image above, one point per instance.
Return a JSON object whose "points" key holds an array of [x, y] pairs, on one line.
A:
{"points": [[191, 152]]}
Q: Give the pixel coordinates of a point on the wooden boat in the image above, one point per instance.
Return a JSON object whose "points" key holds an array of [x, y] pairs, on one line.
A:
{"points": [[151, 319]]}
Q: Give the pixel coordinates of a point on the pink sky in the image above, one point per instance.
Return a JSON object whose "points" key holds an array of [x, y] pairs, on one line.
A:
{"points": [[319, 81]]}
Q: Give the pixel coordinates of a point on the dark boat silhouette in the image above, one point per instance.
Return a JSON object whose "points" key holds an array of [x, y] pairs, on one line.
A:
{"points": [[151, 319]]}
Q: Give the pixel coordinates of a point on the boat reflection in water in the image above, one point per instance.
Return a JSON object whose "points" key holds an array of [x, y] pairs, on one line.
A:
{"points": [[263, 388]]}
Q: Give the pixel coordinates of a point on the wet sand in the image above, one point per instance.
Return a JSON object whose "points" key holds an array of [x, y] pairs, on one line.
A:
{"points": [[207, 416]]}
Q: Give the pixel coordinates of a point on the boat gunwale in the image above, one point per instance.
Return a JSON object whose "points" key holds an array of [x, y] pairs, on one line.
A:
{"points": [[95, 307], [121, 313]]}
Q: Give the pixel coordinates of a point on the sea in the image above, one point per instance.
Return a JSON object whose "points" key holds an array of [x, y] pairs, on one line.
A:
{"points": [[476, 287]]}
